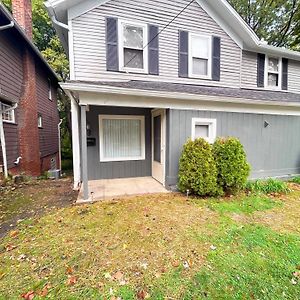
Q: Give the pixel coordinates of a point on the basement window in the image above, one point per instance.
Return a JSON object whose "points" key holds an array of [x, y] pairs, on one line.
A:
{"points": [[122, 138], [40, 121], [8, 116], [49, 89], [204, 128]]}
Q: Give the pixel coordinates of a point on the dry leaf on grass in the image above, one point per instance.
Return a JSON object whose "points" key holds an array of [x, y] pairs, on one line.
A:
{"points": [[141, 295], [71, 280], [10, 247], [28, 295], [14, 233]]}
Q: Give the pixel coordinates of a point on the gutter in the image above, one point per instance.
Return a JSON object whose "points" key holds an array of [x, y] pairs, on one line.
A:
{"points": [[10, 25]]}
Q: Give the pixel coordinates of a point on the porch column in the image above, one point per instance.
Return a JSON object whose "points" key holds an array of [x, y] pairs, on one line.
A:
{"points": [[84, 153]]}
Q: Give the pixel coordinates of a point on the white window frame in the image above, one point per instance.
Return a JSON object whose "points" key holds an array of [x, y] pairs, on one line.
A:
{"points": [[209, 66], [40, 121], [121, 24], [279, 87], [212, 128], [13, 119], [122, 117], [49, 89]]}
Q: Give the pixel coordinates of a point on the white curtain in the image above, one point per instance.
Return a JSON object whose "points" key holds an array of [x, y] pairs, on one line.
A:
{"points": [[122, 138]]}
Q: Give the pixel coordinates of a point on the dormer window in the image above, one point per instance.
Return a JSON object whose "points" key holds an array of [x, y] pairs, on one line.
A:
{"points": [[200, 56], [132, 47], [273, 72]]}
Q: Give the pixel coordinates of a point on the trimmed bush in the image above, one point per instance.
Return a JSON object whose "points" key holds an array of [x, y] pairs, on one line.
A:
{"points": [[197, 169], [232, 166], [268, 186]]}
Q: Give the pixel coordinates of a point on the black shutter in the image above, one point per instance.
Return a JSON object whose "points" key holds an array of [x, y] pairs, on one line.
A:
{"points": [[261, 69], [183, 68], [216, 58], [285, 63], [153, 49], [112, 57]]}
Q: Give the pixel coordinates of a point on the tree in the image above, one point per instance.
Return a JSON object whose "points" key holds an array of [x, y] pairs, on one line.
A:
{"points": [[275, 21]]}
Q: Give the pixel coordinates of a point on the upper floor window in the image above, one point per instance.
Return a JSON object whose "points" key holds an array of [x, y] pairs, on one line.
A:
{"points": [[200, 56], [49, 89], [132, 47], [273, 72], [8, 114]]}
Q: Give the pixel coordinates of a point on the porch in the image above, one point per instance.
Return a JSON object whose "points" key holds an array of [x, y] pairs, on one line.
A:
{"points": [[121, 187]]}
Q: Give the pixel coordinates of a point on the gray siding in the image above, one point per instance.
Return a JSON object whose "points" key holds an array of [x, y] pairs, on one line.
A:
{"points": [[125, 169], [90, 48], [271, 151], [249, 70], [294, 76]]}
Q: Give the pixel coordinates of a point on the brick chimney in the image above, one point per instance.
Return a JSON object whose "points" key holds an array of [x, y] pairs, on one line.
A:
{"points": [[22, 12], [27, 107]]}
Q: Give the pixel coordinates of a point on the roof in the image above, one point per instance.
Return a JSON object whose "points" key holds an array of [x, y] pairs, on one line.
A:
{"points": [[220, 10], [256, 95], [28, 42]]}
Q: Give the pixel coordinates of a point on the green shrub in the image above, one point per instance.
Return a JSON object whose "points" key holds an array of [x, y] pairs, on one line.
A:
{"points": [[295, 179], [197, 169], [268, 186], [231, 161]]}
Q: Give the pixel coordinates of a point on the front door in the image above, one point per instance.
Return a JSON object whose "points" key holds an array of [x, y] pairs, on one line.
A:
{"points": [[158, 144]]}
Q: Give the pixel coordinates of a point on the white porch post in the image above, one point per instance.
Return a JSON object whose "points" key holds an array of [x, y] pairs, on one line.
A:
{"points": [[75, 141], [84, 153], [3, 145]]}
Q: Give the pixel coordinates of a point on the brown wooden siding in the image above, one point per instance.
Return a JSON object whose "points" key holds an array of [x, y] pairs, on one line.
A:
{"points": [[11, 66], [48, 134]]}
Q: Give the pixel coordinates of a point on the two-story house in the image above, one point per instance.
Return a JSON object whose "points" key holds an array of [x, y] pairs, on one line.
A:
{"points": [[148, 75], [28, 105]]}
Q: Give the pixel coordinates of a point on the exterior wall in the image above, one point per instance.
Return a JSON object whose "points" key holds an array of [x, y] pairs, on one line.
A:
{"points": [[125, 169], [294, 76], [46, 163], [249, 70], [48, 134], [11, 68], [90, 48], [271, 151]]}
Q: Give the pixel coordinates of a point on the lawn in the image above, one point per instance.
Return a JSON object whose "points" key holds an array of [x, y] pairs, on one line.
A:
{"points": [[158, 247]]}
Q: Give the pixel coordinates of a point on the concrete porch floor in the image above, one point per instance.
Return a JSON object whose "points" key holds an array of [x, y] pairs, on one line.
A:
{"points": [[112, 188]]}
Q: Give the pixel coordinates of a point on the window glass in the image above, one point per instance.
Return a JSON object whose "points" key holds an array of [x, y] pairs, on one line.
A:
{"points": [[204, 128], [133, 58], [200, 66], [201, 131], [200, 47], [40, 121], [122, 138], [133, 37], [273, 65], [273, 79], [8, 116], [273, 72]]}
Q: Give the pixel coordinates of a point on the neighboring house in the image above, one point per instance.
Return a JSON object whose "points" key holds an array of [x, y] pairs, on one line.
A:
{"points": [[140, 87], [29, 85]]}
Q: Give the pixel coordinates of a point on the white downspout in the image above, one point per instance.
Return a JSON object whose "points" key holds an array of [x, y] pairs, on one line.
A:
{"points": [[2, 138], [59, 144]]}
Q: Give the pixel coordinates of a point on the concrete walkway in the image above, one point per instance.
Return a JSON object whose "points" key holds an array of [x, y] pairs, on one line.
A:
{"points": [[112, 188]]}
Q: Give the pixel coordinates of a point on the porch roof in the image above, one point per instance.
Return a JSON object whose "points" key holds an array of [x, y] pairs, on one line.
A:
{"points": [[257, 95]]}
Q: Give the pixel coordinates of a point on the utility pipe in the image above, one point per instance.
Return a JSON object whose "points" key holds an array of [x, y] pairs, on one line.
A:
{"points": [[59, 144], [10, 25]]}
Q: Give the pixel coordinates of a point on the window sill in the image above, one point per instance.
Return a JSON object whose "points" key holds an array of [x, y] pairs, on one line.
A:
{"points": [[208, 78], [121, 159], [10, 122]]}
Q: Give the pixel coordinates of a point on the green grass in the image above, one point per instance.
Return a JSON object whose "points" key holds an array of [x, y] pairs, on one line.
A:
{"points": [[295, 179], [268, 186], [149, 239], [245, 204]]}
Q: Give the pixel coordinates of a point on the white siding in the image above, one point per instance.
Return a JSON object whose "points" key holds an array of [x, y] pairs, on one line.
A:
{"points": [[90, 48], [249, 70], [294, 76]]}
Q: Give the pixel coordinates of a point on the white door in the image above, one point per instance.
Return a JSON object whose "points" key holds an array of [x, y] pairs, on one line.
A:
{"points": [[158, 144]]}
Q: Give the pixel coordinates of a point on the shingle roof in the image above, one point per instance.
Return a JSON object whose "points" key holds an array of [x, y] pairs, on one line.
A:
{"points": [[252, 94]]}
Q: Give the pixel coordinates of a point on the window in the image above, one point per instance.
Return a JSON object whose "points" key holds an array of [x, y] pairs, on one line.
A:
{"points": [[40, 121], [7, 115], [200, 56], [49, 89], [204, 128], [273, 72], [132, 40], [122, 138]]}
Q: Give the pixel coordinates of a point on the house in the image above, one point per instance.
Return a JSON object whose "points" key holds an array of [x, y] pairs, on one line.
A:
{"points": [[148, 75], [28, 97]]}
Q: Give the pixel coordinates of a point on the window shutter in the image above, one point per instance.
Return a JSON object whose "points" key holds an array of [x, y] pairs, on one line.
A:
{"points": [[153, 50], [261, 70], [216, 58], [183, 68], [112, 57], [285, 63]]}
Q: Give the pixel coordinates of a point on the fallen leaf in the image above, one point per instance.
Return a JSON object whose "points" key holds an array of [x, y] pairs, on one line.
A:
{"points": [[69, 270], [28, 295], [71, 280], [175, 263], [186, 265], [118, 276], [141, 295], [45, 290], [14, 233], [21, 257], [212, 247], [10, 247]]}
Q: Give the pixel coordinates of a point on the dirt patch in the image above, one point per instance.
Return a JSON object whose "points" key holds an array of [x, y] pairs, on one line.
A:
{"points": [[31, 199]]}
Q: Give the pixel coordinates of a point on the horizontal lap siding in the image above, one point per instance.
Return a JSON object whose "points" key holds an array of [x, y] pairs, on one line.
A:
{"points": [[11, 66], [48, 135], [271, 151], [249, 70], [90, 48], [123, 169], [294, 76]]}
